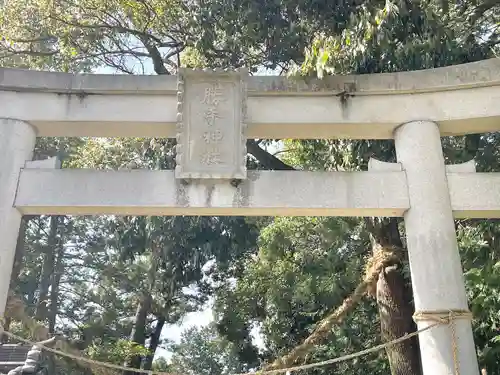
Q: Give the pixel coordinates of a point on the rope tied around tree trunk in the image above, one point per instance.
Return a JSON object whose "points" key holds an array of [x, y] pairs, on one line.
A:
{"points": [[447, 317]]}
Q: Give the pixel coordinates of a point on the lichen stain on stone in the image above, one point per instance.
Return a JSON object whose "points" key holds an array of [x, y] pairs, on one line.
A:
{"points": [[81, 96], [181, 196], [69, 96], [252, 176], [241, 197], [209, 192], [345, 103], [67, 102]]}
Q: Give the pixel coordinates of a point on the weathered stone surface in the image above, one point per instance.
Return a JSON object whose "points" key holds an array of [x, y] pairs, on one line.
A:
{"points": [[49, 163], [474, 195], [461, 99], [274, 193], [485, 72], [210, 124], [436, 271], [17, 141]]}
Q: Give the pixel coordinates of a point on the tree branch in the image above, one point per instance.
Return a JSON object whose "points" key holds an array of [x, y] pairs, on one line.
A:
{"points": [[29, 53], [34, 40], [482, 9], [154, 52], [265, 158]]}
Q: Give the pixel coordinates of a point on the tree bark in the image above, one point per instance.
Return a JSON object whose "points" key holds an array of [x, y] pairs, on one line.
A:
{"points": [[154, 342], [20, 250], [18, 265], [394, 300], [52, 308], [393, 293], [54, 287], [47, 270], [265, 158], [138, 334], [395, 320]]}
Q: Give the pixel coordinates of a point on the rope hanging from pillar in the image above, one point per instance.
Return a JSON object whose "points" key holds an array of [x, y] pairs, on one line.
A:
{"points": [[447, 317], [108, 365], [436, 317]]}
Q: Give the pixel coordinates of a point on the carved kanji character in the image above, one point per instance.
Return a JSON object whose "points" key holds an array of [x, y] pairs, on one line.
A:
{"points": [[213, 136], [213, 94], [210, 157], [211, 114]]}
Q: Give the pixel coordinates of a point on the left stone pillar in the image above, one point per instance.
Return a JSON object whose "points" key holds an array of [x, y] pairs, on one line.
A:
{"points": [[17, 142]]}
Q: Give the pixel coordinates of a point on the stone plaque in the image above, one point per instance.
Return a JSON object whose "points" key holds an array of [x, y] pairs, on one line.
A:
{"points": [[211, 112]]}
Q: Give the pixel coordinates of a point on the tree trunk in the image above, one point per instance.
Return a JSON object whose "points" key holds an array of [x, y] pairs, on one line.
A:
{"points": [[154, 342], [18, 265], [393, 293], [54, 294], [20, 249], [394, 300], [138, 334], [47, 270], [395, 319], [54, 287]]}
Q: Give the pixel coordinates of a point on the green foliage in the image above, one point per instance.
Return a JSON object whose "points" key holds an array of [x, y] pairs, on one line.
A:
{"points": [[303, 266], [114, 352], [203, 352], [82, 35], [116, 261], [480, 252], [162, 257], [401, 36], [414, 36], [161, 364]]}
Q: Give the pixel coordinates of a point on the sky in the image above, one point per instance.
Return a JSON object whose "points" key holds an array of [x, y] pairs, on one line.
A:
{"points": [[199, 318], [173, 332]]}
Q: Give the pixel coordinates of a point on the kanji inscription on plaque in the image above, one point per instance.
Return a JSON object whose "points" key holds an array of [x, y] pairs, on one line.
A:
{"points": [[211, 112]]}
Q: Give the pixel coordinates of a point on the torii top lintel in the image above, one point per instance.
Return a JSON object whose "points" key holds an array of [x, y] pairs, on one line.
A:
{"points": [[462, 99]]}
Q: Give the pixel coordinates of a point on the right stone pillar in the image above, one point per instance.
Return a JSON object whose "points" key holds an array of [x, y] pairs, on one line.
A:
{"points": [[436, 271]]}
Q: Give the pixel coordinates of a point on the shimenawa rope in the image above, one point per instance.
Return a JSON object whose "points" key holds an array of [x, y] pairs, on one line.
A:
{"points": [[268, 372], [438, 317]]}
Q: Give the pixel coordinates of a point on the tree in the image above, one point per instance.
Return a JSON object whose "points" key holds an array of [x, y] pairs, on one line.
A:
{"points": [[403, 36], [304, 268], [339, 37], [107, 306], [172, 250], [203, 352], [392, 43]]}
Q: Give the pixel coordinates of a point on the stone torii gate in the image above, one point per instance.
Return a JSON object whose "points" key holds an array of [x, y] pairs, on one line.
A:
{"points": [[212, 113]]}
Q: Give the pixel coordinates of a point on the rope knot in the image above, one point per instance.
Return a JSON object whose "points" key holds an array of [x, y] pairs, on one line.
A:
{"points": [[446, 317], [442, 316]]}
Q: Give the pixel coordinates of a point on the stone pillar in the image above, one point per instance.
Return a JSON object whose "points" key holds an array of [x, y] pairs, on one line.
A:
{"points": [[17, 141], [436, 271]]}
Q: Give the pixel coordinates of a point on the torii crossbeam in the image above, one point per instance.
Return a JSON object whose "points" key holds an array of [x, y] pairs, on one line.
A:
{"points": [[212, 114]]}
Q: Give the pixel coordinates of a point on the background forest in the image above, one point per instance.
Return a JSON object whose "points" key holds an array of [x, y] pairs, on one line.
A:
{"points": [[111, 285]]}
